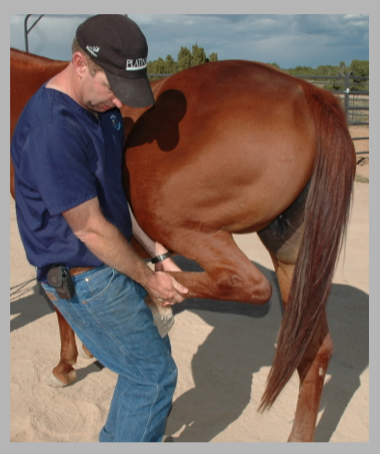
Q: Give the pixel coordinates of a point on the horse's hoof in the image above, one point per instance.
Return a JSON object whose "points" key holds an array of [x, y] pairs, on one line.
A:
{"points": [[162, 316], [54, 382]]}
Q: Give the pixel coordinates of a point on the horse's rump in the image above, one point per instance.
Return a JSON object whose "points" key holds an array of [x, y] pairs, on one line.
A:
{"points": [[235, 131]]}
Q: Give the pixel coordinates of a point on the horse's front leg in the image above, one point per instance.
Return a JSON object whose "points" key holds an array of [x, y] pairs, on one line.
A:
{"points": [[63, 372]]}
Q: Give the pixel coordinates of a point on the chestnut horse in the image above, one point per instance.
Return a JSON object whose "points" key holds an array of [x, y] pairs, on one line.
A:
{"points": [[235, 147]]}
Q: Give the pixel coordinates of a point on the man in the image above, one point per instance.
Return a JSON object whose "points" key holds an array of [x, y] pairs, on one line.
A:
{"points": [[75, 223]]}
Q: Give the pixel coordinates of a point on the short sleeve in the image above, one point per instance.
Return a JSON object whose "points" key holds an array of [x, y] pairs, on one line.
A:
{"points": [[59, 161]]}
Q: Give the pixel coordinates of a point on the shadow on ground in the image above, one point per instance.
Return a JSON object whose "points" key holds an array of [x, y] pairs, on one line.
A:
{"points": [[348, 315], [227, 397]]}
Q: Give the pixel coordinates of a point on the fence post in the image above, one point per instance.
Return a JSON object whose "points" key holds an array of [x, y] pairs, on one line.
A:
{"points": [[26, 30], [347, 93]]}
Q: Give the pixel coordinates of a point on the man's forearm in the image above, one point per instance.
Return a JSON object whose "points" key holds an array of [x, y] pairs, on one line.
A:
{"points": [[105, 241], [108, 244]]}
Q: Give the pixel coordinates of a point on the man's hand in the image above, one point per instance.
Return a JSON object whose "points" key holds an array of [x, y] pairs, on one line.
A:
{"points": [[164, 289]]}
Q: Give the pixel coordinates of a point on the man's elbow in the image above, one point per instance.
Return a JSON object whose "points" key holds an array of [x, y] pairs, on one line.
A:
{"points": [[87, 236]]}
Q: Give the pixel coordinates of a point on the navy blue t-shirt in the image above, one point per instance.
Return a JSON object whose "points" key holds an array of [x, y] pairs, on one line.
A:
{"points": [[63, 156]]}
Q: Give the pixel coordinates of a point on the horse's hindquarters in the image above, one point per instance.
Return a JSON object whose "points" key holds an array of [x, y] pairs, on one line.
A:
{"points": [[232, 155]]}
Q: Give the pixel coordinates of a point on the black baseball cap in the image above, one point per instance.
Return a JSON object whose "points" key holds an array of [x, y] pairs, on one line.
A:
{"points": [[117, 45]]}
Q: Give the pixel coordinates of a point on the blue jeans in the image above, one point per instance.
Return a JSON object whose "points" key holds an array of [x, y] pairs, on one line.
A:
{"points": [[110, 317]]}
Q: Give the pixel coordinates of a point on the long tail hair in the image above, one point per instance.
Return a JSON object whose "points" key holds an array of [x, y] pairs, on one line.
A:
{"points": [[325, 223]]}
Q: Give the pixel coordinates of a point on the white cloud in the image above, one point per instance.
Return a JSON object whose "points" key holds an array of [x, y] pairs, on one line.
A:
{"points": [[287, 39], [355, 16]]}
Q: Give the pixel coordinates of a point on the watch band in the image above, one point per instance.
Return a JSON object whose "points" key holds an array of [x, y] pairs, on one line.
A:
{"points": [[160, 258]]}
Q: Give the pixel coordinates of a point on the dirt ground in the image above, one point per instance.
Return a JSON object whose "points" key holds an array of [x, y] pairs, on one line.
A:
{"points": [[223, 351], [362, 148]]}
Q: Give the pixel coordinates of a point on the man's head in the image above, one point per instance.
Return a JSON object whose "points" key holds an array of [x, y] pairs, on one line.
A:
{"points": [[116, 44]]}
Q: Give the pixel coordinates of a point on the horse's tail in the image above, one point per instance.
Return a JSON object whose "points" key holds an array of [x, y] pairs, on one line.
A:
{"points": [[325, 222]]}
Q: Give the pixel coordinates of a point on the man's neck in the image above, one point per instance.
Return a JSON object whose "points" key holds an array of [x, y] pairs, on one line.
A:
{"points": [[63, 82]]}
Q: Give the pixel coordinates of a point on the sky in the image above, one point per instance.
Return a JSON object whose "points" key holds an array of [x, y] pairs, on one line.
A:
{"points": [[289, 40]]}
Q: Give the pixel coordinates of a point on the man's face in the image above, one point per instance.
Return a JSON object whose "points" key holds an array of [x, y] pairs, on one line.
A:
{"points": [[97, 94]]}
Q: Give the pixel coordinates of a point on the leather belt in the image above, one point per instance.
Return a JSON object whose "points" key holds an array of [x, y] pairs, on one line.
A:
{"points": [[80, 270]]}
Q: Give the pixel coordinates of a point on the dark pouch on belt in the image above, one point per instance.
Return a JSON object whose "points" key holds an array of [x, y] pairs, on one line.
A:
{"points": [[59, 278]]}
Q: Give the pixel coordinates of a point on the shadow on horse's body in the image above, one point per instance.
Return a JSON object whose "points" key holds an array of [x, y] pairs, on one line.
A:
{"points": [[234, 147]]}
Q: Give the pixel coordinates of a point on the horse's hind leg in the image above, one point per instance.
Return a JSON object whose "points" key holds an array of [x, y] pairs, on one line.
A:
{"points": [[312, 371], [228, 275], [282, 239], [312, 368]]}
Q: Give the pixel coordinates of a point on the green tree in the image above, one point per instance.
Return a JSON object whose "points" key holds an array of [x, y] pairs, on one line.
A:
{"points": [[213, 57], [198, 56], [327, 70], [156, 67], [302, 71], [360, 68], [343, 68], [170, 65], [334, 71], [184, 58]]}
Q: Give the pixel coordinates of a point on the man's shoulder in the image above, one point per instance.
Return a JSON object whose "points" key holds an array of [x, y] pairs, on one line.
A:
{"points": [[35, 107], [49, 109]]}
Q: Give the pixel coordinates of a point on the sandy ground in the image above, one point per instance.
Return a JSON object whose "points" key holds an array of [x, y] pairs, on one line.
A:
{"points": [[223, 351]]}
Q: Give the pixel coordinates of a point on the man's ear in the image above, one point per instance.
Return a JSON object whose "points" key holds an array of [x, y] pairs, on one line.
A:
{"points": [[80, 63]]}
